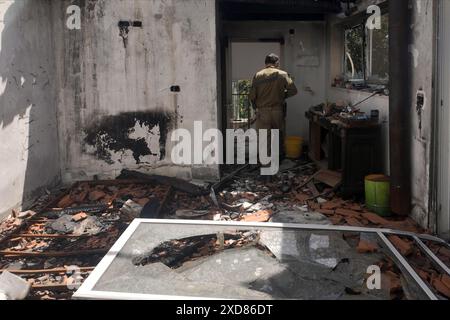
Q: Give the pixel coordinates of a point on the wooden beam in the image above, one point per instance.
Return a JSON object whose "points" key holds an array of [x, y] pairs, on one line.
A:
{"points": [[49, 236], [10, 253], [46, 271]]}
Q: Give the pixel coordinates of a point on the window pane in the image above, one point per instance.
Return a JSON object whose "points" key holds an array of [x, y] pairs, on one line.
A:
{"points": [[354, 52], [241, 104], [380, 51]]}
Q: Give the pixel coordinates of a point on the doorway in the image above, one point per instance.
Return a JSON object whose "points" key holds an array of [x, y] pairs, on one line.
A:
{"points": [[245, 58]]}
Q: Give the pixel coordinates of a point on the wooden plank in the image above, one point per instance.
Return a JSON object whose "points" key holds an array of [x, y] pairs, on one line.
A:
{"points": [[10, 253], [163, 206], [315, 152], [5, 235], [49, 236], [312, 187], [330, 178], [46, 271], [51, 287]]}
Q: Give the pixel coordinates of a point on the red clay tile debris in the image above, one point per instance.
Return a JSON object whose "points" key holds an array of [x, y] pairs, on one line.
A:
{"points": [[374, 218], [441, 287], [446, 280], [96, 195], [403, 246], [260, 216], [348, 213], [80, 216], [366, 247], [394, 282]]}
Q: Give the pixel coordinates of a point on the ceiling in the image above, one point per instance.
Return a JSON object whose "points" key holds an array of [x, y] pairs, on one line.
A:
{"points": [[304, 10]]}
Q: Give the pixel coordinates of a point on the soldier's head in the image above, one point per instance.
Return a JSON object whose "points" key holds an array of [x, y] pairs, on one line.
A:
{"points": [[272, 60]]}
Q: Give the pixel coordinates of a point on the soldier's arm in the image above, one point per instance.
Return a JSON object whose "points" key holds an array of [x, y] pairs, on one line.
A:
{"points": [[291, 88]]}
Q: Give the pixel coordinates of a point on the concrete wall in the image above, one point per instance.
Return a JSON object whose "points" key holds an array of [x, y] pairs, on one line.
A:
{"points": [[115, 106], [246, 57], [29, 154], [303, 57], [422, 51]]}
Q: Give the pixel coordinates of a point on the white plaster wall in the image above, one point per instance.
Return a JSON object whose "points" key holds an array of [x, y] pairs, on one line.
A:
{"points": [[303, 57], [101, 77], [29, 157], [422, 51], [246, 57]]}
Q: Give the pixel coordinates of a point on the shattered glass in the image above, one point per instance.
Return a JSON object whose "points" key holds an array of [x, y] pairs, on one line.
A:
{"points": [[235, 262]]}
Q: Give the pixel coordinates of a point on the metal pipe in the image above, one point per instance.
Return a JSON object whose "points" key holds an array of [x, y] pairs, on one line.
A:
{"points": [[400, 107]]}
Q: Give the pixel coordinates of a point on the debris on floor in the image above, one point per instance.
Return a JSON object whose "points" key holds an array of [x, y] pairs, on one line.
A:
{"points": [[55, 247], [13, 287], [175, 252], [73, 229]]}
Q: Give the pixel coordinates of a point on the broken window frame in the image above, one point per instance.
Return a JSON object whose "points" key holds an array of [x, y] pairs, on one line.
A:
{"points": [[348, 59], [86, 291], [360, 21], [372, 78]]}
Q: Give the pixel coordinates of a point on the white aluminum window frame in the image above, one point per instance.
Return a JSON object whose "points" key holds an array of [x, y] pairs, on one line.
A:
{"points": [[86, 291]]}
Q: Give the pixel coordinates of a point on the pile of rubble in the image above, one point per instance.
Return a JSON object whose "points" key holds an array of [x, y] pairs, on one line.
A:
{"points": [[299, 188], [312, 197], [76, 227], [55, 249]]}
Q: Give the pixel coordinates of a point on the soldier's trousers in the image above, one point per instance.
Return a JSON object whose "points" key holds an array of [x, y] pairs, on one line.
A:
{"points": [[270, 119]]}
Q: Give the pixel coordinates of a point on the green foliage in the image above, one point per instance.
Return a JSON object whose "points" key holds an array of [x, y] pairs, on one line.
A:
{"points": [[354, 46], [241, 102], [244, 101], [355, 51]]}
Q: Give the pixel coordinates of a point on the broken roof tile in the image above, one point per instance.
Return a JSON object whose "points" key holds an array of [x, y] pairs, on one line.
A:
{"points": [[404, 247], [374, 218]]}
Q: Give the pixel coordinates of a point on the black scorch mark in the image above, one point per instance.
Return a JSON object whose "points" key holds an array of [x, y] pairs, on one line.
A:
{"points": [[112, 134]]}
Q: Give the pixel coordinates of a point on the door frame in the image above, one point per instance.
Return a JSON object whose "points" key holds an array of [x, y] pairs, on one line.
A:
{"points": [[442, 122], [229, 63]]}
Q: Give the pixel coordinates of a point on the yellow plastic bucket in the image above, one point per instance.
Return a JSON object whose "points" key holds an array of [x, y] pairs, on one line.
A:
{"points": [[378, 194], [294, 147]]}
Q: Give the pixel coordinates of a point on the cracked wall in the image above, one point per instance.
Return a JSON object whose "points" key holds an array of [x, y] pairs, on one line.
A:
{"points": [[116, 107]]}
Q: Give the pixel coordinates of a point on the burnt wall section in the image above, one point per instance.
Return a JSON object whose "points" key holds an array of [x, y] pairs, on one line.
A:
{"points": [[29, 153], [117, 103], [114, 134]]}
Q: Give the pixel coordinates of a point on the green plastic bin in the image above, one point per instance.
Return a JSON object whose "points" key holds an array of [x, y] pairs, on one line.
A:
{"points": [[378, 189]]}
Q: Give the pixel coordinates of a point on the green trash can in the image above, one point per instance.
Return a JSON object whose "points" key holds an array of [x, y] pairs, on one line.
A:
{"points": [[378, 189]]}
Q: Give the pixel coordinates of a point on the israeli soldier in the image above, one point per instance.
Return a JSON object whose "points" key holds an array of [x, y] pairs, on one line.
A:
{"points": [[270, 88]]}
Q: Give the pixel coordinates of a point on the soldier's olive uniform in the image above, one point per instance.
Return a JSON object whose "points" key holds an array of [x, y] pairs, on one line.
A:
{"points": [[270, 88]]}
